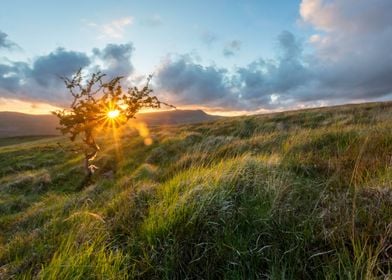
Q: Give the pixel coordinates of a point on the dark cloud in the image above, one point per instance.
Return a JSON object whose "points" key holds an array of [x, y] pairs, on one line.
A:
{"points": [[116, 59], [290, 48], [232, 48], [40, 80], [47, 69], [190, 83], [351, 61], [264, 83], [12, 75], [257, 85], [5, 43]]}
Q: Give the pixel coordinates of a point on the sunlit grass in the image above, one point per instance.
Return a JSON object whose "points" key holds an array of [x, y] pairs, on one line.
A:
{"points": [[297, 195]]}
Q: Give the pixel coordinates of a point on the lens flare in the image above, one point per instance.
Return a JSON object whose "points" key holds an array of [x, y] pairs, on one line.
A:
{"points": [[113, 114]]}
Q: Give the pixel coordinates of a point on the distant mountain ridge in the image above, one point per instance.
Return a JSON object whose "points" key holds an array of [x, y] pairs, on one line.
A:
{"points": [[20, 124]]}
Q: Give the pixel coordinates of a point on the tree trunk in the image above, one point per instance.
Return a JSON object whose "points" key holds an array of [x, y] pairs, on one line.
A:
{"points": [[87, 169], [90, 153]]}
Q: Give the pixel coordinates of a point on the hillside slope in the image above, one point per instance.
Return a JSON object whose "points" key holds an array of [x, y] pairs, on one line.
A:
{"points": [[18, 124], [295, 195]]}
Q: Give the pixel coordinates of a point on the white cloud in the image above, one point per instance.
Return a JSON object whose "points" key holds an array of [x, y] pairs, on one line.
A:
{"points": [[342, 27], [322, 15], [114, 29]]}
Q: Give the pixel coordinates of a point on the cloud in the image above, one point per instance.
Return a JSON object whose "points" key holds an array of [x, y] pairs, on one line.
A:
{"points": [[182, 80], [40, 81], [12, 76], [349, 60], [5, 43], [261, 84], [266, 82], [47, 69], [208, 38], [112, 30], [186, 82], [116, 59], [352, 40], [350, 16], [232, 48]]}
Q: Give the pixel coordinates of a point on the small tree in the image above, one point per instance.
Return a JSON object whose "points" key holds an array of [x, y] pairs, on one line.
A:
{"points": [[98, 104]]}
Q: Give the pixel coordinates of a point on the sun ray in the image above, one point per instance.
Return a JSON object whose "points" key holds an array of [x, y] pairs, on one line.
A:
{"points": [[113, 114]]}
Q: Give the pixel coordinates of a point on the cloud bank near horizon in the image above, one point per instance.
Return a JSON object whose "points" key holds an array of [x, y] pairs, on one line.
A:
{"points": [[41, 81], [349, 60]]}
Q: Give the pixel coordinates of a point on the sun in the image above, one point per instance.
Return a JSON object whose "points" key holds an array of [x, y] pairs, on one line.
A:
{"points": [[113, 114]]}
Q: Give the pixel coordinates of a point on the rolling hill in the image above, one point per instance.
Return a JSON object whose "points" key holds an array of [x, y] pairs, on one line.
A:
{"points": [[18, 124], [293, 195]]}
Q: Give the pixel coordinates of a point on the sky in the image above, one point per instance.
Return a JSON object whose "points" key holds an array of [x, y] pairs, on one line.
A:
{"points": [[223, 56]]}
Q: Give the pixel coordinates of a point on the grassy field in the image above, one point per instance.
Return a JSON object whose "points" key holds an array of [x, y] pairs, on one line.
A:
{"points": [[6, 141], [294, 195]]}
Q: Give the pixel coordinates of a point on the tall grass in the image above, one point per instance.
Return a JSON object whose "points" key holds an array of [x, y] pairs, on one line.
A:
{"points": [[295, 195]]}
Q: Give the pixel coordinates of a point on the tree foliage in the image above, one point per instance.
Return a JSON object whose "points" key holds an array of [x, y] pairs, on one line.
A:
{"points": [[93, 99]]}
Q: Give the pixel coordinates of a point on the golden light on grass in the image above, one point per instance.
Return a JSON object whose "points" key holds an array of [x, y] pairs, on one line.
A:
{"points": [[148, 141], [143, 130], [113, 114]]}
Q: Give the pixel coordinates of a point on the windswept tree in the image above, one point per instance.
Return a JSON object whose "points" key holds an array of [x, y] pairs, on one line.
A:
{"points": [[98, 104]]}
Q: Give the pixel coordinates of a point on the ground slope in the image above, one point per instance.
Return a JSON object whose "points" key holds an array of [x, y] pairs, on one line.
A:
{"points": [[295, 195]]}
